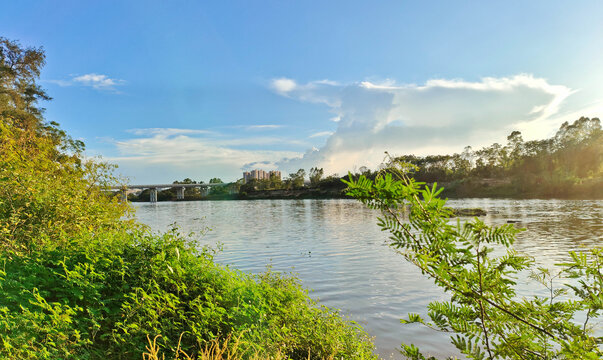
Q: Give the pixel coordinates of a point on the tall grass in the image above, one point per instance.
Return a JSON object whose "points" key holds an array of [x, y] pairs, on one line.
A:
{"points": [[227, 350]]}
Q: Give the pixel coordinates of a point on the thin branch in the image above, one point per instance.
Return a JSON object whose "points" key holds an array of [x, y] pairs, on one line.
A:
{"points": [[481, 304], [586, 321], [490, 302]]}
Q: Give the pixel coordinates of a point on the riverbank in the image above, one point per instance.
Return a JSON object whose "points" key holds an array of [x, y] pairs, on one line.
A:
{"points": [[492, 188], [100, 295]]}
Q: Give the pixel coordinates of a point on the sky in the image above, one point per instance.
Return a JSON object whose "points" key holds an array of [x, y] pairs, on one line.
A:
{"points": [[203, 89]]}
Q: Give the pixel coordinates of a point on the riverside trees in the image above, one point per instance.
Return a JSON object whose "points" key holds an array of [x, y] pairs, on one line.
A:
{"points": [[576, 151]]}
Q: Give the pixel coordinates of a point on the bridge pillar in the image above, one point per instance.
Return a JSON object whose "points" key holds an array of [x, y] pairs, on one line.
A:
{"points": [[153, 194], [123, 195], [180, 193]]}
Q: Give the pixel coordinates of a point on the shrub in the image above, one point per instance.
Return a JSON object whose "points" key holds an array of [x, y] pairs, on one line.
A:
{"points": [[103, 294]]}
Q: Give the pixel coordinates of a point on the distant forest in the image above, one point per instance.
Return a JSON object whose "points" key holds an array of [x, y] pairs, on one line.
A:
{"points": [[569, 164]]}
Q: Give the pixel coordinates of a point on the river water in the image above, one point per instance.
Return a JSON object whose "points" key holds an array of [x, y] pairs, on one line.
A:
{"points": [[340, 254]]}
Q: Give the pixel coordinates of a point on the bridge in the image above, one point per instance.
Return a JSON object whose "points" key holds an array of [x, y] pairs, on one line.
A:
{"points": [[156, 187]]}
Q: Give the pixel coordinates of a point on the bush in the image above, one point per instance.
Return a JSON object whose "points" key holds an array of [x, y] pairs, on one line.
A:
{"points": [[101, 296], [45, 195]]}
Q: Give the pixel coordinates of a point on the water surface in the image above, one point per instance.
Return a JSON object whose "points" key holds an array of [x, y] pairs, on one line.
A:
{"points": [[338, 251]]}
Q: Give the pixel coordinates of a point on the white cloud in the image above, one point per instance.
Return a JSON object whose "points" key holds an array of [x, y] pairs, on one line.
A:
{"points": [[167, 131], [321, 134], [262, 141], [440, 116], [98, 81], [167, 154], [283, 85], [93, 80], [263, 127]]}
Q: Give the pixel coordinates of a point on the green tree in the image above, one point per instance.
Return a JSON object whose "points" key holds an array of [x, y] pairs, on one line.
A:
{"points": [[297, 179], [45, 188], [19, 95], [316, 175], [485, 316], [216, 181], [81, 281], [185, 181], [275, 182]]}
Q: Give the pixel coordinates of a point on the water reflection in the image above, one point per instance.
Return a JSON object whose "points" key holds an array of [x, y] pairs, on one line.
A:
{"points": [[337, 250]]}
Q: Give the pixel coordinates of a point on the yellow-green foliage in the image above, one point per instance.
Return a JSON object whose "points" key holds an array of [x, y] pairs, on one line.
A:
{"points": [[216, 350], [45, 195], [101, 294], [46, 189]]}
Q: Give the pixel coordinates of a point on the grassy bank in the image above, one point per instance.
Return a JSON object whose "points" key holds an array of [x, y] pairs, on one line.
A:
{"points": [[103, 293]]}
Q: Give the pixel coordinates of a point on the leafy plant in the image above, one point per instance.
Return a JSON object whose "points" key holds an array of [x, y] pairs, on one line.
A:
{"points": [[103, 293], [485, 316]]}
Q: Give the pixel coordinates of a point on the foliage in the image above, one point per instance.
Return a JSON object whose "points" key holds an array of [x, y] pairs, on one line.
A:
{"points": [[99, 297], [187, 181], [216, 350], [315, 175], [19, 68], [46, 189], [485, 316], [296, 180]]}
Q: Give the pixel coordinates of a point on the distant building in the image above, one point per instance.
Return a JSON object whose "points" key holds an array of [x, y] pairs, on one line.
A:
{"points": [[259, 175]]}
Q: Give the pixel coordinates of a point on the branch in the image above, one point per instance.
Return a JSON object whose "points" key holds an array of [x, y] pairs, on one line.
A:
{"points": [[481, 305]]}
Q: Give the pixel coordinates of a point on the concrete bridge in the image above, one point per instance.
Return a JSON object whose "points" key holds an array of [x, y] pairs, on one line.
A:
{"points": [[154, 188]]}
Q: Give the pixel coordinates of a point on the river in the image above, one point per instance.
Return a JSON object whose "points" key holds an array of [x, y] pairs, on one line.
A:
{"points": [[340, 254]]}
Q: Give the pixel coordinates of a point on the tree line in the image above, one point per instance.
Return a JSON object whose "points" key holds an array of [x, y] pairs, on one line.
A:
{"points": [[569, 163]]}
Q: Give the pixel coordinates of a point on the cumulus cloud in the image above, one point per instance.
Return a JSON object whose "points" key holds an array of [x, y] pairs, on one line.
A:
{"points": [[93, 80], [283, 85], [440, 116]]}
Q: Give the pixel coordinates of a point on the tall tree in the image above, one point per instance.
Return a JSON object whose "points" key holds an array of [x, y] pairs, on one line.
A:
{"points": [[316, 175], [20, 95], [297, 178]]}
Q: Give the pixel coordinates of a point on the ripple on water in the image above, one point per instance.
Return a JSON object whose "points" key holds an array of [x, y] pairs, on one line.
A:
{"points": [[336, 249]]}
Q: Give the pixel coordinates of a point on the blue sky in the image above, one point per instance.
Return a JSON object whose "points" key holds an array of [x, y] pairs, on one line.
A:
{"points": [[178, 89]]}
